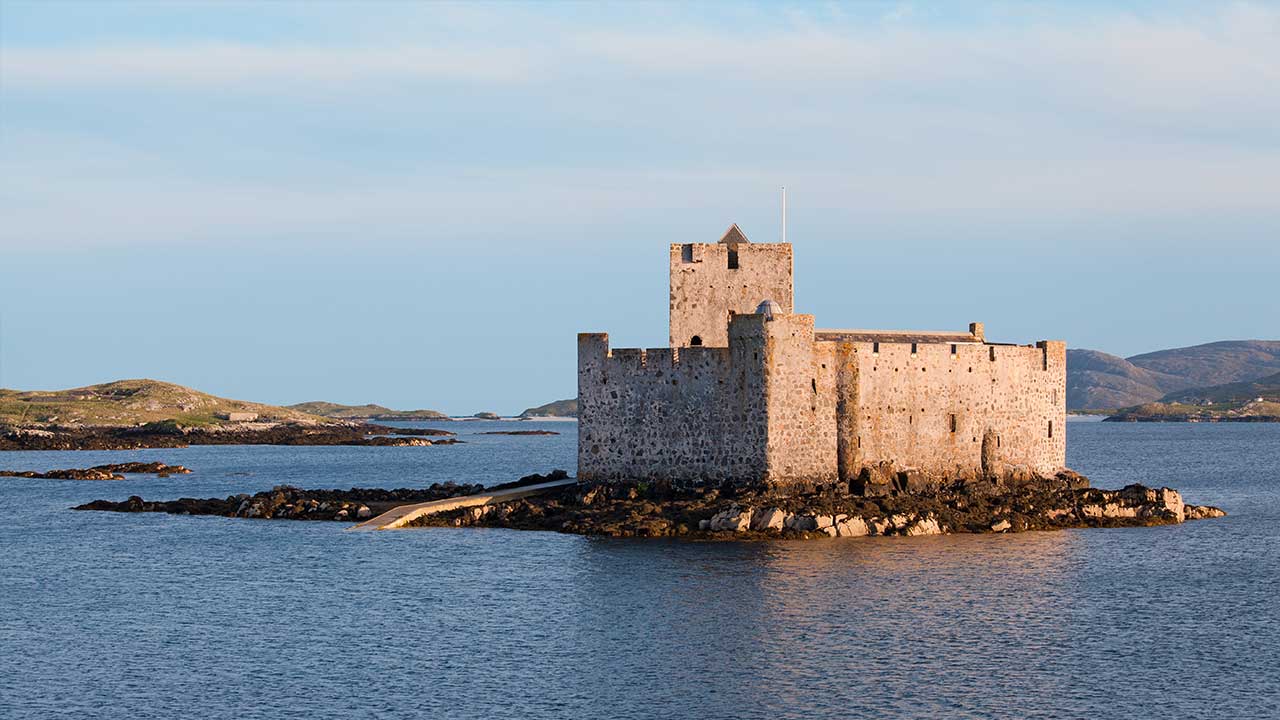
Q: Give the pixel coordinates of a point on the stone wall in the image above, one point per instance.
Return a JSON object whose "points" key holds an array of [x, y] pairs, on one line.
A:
{"points": [[680, 414], [931, 409], [800, 388], [705, 290]]}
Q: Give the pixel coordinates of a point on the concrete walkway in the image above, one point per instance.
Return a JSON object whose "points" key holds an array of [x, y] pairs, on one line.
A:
{"points": [[402, 515]]}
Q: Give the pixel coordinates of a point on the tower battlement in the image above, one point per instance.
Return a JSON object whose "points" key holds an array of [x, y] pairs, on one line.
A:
{"points": [[711, 281]]}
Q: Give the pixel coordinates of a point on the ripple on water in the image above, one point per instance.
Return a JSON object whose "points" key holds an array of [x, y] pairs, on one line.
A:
{"points": [[111, 615]]}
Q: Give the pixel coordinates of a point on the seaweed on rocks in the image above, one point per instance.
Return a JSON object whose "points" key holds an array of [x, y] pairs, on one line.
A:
{"points": [[663, 510], [101, 472]]}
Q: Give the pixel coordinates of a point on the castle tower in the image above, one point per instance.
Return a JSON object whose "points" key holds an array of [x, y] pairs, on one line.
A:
{"points": [[712, 281]]}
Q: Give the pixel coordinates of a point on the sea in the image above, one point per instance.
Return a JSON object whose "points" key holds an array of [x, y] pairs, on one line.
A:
{"points": [[110, 615]]}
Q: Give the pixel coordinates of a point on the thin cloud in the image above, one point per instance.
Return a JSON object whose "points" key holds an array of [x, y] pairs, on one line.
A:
{"points": [[571, 124], [223, 64]]}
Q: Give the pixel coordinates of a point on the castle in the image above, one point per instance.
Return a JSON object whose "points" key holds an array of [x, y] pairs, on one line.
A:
{"points": [[750, 392]]}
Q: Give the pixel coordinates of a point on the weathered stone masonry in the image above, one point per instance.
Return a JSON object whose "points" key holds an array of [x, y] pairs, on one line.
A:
{"points": [[750, 392]]}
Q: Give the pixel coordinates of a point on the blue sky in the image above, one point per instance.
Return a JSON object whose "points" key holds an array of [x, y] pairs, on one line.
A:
{"points": [[420, 204]]}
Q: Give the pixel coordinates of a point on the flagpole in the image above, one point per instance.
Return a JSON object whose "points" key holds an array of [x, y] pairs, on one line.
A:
{"points": [[784, 213]]}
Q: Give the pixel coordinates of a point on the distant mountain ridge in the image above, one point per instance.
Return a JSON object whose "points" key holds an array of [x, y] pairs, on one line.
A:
{"points": [[1099, 381], [364, 412]]}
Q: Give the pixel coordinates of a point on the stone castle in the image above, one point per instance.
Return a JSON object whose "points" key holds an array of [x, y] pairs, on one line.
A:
{"points": [[751, 392]]}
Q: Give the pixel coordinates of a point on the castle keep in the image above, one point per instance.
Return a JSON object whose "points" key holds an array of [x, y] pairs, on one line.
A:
{"points": [[749, 391]]}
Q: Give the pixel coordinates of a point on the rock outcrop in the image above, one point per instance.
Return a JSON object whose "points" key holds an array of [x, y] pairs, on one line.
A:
{"points": [[101, 472], [285, 502], [172, 435], [519, 432], [1016, 502], [1013, 503]]}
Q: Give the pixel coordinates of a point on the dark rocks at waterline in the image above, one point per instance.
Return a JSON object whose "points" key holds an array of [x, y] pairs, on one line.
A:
{"points": [[534, 479], [519, 432], [290, 503], [429, 432], [101, 472], [403, 442], [170, 435], [68, 474], [657, 510]]}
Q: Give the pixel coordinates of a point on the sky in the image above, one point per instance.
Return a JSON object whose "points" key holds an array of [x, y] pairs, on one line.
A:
{"points": [[421, 204]]}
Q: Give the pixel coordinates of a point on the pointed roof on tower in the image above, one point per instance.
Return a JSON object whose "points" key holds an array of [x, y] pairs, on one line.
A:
{"points": [[734, 236]]}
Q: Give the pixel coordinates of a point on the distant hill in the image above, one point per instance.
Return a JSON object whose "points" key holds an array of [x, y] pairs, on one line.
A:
{"points": [[1216, 363], [132, 402], [559, 408], [1096, 380], [1267, 388], [1252, 401], [364, 412]]}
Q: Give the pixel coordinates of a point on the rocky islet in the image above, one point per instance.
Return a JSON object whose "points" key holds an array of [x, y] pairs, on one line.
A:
{"points": [[173, 435], [113, 471]]}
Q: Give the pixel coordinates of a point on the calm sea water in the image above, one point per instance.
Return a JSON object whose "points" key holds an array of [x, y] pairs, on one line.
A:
{"points": [[158, 616]]}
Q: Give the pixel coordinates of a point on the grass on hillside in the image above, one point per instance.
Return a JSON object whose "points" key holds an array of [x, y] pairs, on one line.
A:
{"points": [[132, 402]]}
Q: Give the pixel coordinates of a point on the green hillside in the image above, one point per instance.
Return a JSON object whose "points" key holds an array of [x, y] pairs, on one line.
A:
{"points": [[364, 412], [1267, 388], [1255, 400], [559, 408], [132, 402]]}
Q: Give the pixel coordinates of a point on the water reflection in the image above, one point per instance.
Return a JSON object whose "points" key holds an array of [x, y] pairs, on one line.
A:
{"points": [[785, 625]]}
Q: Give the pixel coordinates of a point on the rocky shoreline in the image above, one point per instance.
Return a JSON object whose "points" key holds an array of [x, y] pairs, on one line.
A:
{"points": [[285, 502], [172, 435], [101, 472], [657, 510], [519, 432], [1011, 504]]}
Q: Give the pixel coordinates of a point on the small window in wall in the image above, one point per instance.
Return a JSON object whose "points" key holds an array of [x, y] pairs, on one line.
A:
{"points": [[953, 423], [696, 340], [733, 259], [997, 441], [913, 348], [992, 352], [1050, 428], [686, 253], [953, 350], [814, 383], [875, 348]]}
